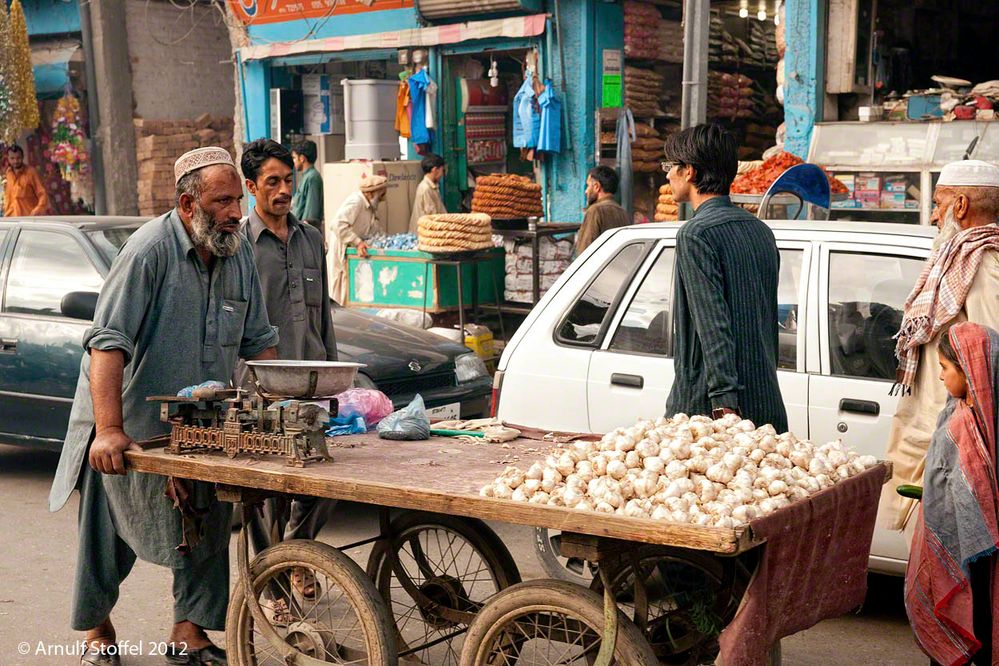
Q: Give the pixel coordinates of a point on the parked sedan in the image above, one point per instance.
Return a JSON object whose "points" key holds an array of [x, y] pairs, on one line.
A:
{"points": [[596, 352], [51, 270]]}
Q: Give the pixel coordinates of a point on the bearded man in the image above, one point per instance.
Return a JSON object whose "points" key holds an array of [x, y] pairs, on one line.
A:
{"points": [[960, 282], [181, 303], [602, 212]]}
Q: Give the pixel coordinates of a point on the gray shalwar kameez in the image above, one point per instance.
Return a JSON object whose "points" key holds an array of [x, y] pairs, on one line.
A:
{"points": [[178, 324]]}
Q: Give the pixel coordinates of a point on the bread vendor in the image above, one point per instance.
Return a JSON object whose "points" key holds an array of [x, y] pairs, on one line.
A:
{"points": [[602, 212], [428, 195], [355, 220]]}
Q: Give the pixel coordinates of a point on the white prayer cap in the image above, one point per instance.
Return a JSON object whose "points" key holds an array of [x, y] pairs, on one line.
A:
{"points": [[199, 158], [969, 173]]}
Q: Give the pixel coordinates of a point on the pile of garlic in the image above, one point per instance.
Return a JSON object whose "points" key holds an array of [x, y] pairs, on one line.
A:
{"points": [[685, 469]]}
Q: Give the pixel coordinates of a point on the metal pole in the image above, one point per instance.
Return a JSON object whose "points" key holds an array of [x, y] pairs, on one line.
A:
{"points": [[696, 28], [96, 158]]}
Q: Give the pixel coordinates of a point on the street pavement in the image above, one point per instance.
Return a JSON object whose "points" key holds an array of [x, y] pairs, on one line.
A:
{"points": [[38, 556]]}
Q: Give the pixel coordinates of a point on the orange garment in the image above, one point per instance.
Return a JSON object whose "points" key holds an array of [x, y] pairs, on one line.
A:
{"points": [[402, 110], [24, 193]]}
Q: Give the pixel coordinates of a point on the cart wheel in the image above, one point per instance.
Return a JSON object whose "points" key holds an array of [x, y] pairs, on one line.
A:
{"points": [[547, 544], [688, 599], [447, 568], [548, 622], [345, 623]]}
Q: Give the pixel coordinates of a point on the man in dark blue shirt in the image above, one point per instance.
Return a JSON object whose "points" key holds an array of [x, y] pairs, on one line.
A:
{"points": [[725, 304]]}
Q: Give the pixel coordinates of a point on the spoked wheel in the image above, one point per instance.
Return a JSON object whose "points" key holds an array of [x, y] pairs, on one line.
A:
{"points": [[345, 621], [435, 573], [683, 601], [548, 547], [549, 623]]}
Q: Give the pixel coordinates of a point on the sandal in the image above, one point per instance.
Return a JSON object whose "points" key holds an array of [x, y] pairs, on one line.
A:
{"points": [[210, 655], [304, 582], [98, 655]]}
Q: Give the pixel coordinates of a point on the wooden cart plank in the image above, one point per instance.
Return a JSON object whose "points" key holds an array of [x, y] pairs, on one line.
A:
{"points": [[440, 475]]}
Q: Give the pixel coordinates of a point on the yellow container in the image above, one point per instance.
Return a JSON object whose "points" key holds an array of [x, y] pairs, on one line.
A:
{"points": [[480, 340]]}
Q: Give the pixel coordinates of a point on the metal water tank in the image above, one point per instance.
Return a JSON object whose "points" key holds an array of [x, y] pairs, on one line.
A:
{"points": [[369, 114]]}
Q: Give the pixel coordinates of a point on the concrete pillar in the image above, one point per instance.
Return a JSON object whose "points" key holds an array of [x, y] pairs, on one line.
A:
{"points": [[804, 65], [116, 134]]}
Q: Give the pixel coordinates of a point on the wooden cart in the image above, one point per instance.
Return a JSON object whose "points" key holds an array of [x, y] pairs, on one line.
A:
{"points": [[441, 588]]}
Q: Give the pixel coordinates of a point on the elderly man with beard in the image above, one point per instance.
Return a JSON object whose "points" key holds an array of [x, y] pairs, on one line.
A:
{"points": [[960, 282], [181, 303]]}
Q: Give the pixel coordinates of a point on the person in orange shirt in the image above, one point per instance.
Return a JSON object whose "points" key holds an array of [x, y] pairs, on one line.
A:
{"points": [[24, 193]]}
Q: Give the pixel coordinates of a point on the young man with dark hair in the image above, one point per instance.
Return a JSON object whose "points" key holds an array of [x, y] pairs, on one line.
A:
{"points": [[725, 302], [602, 212], [292, 266], [23, 192], [307, 204], [428, 196]]}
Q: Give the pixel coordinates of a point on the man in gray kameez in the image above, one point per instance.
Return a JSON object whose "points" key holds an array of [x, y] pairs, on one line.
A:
{"points": [[181, 303], [291, 263], [725, 302]]}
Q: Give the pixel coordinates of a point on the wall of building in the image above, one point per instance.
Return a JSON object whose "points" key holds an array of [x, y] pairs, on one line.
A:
{"points": [[180, 59], [805, 68]]}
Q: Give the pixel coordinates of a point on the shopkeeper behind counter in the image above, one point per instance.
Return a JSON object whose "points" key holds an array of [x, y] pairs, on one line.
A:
{"points": [[355, 220]]}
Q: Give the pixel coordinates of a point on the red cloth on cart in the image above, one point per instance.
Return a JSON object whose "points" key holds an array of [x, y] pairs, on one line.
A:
{"points": [[813, 567]]}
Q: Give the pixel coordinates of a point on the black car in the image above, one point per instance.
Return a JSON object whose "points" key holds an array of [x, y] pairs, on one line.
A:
{"points": [[51, 270]]}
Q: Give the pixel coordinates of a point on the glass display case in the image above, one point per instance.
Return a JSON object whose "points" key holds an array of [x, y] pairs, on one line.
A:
{"points": [[890, 168]]}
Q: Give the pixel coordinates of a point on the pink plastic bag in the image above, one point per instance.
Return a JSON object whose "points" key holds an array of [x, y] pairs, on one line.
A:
{"points": [[371, 404]]}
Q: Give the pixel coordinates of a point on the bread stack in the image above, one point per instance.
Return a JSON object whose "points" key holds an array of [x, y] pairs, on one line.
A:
{"points": [[666, 208], [507, 197], [454, 232]]}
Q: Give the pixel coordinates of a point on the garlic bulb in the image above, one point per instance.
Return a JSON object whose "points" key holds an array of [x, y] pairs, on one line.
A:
{"points": [[535, 472], [616, 469], [632, 460]]}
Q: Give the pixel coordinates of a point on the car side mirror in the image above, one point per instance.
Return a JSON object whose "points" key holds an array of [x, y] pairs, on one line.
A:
{"points": [[79, 305]]}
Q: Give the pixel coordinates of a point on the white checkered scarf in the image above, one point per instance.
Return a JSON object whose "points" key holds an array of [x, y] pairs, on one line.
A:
{"points": [[939, 295]]}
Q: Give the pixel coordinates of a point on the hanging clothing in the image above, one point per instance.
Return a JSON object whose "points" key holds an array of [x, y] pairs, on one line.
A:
{"points": [[431, 102], [625, 137], [550, 133], [419, 133], [951, 587], [526, 116], [402, 105]]}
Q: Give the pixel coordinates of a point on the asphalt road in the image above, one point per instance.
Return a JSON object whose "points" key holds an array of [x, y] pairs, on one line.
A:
{"points": [[38, 556]]}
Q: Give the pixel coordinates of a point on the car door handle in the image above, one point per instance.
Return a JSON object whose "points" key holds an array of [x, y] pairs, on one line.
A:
{"points": [[631, 381], [8, 345], [854, 406]]}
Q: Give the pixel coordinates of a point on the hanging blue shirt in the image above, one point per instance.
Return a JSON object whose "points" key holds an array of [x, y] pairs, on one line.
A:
{"points": [[526, 117], [550, 134], [418, 95]]}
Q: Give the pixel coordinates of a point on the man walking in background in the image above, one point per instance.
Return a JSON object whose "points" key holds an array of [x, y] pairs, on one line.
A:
{"points": [[23, 192], [602, 212], [307, 204], [726, 289]]}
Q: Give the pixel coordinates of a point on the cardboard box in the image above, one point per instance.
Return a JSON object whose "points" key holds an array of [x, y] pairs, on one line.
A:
{"points": [[341, 179], [868, 182], [893, 200]]}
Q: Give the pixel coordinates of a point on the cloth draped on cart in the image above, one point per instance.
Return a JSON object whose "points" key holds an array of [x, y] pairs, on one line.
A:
{"points": [[958, 521], [813, 567]]}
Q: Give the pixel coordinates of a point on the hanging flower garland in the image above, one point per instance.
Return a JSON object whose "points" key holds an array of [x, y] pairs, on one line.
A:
{"points": [[68, 145]]}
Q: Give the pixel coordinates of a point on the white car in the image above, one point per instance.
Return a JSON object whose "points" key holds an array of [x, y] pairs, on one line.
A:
{"points": [[595, 353]]}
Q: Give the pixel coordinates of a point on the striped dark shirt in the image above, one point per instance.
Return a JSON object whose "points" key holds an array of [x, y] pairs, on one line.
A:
{"points": [[725, 316]]}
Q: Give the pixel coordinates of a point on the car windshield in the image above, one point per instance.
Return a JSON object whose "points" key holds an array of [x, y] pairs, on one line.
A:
{"points": [[109, 241]]}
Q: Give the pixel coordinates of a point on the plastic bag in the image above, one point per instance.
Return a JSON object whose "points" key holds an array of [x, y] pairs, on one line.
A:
{"points": [[346, 425], [410, 422], [371, 404], [188, 391]]}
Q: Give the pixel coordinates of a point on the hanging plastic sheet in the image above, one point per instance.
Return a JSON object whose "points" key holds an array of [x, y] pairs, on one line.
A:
{"points": [[625, 137], [526, 115], [550, 134]]}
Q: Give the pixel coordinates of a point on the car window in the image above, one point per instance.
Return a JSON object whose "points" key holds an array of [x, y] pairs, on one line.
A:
{"points": [[788, 289], [645, 327], [45, 267], [587, 316], [109, 241], [867, 295]]}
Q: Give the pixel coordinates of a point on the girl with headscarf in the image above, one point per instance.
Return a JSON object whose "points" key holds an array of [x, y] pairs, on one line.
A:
{"points": [[950, 584]]}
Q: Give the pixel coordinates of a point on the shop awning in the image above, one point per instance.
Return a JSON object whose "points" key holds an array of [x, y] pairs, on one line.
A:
{"points": [[50, 65], [515, 27]]}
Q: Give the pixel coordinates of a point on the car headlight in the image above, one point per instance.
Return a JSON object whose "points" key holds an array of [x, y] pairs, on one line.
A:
{"points": [[469, 367], [361, 380]]}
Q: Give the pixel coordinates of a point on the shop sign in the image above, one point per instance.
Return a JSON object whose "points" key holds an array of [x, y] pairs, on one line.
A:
{"points": [[276, 11], [613, 71]]}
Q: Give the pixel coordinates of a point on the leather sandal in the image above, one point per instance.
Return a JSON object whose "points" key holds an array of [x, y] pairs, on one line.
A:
{"points": [[98, 655], [210, 655]]}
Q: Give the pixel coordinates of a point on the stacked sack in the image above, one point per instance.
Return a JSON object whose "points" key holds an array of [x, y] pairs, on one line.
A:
{"points": [[647, 149], [666, 207], [730, 96], [455, 232], [507, 197], [641, 39], [555, 257], [643, 91], [670, 41]]}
